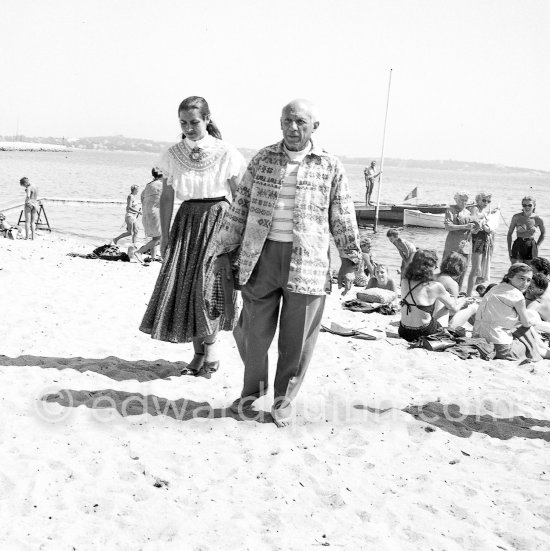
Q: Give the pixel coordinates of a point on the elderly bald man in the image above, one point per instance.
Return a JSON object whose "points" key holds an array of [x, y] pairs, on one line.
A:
{"points": [[275, 236]]}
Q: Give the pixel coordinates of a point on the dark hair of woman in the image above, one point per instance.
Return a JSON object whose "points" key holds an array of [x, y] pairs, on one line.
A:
{"points": [[196, 102], [540, 281], [514, 269], [489, 287], [541, 265], [156, 173], [454, 265], [422, 265]]}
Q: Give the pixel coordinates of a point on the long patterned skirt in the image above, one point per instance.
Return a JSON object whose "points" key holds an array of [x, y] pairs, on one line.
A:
{"points": [[179, 307]]}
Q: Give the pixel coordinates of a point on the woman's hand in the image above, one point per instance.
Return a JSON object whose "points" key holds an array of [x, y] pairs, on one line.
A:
{"points": [[163, 246]]}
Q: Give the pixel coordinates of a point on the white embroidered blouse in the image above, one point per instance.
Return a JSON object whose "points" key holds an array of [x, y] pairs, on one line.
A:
{"points": [[201, 169]]}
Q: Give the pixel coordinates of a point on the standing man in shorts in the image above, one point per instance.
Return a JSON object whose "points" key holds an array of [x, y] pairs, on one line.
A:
{"points": [[370, 177]]}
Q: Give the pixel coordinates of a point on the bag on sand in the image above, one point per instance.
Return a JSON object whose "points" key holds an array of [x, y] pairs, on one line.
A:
{"points": [[379, 296]]}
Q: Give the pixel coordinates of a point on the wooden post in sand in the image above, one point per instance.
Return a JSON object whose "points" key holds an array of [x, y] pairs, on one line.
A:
{"points": [[375, 229]]}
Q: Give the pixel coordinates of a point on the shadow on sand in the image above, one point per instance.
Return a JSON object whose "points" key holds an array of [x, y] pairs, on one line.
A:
{"points": [[127, 403], [133, 403], [112, 367], [449, 418]]}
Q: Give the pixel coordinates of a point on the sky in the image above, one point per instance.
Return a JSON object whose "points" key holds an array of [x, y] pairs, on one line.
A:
{"points": [[470, 79]]}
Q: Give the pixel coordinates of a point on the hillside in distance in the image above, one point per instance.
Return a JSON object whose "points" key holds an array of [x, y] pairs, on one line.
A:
{"points": [[123, 143]]}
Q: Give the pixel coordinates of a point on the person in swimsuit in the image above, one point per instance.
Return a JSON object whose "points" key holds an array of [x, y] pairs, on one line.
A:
{"points": [[132, 211], [525, 248], [370, 177], [32, 206], [380, 279], [420, 292], [452, 269]]}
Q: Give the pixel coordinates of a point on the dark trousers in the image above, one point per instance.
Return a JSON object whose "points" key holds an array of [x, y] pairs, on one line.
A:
{"points": [[265, 296]]}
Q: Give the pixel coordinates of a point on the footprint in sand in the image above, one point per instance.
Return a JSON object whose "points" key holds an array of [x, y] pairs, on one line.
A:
{"points": [[354, 452], [6, 486]]}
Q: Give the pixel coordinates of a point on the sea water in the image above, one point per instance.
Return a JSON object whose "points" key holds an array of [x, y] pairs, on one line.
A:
{"points": [[108, 175]]}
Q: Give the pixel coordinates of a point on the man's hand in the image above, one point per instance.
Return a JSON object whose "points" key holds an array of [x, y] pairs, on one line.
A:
{"points": [[222, 264], [346, 275]]}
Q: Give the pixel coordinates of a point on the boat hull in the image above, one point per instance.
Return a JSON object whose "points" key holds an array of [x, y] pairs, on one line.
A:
{"points": [[393, 214], [423, 219]]}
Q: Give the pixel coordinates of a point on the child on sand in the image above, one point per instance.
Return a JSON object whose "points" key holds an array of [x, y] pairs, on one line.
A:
{"points": [[380, 280], [6, 229]]}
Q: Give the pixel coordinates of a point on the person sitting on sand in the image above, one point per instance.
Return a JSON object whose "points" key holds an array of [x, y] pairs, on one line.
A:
{"points": [[150, 205], [535, 291], [542, 266], [367, 265], [32, 206], [7, 229], [405, 248], [380, 280], [132, 211], [502, 318], [452, 269], [526, 222], [420, 293]]}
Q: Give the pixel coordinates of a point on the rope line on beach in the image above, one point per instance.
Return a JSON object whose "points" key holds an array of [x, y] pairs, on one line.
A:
{"points": [[67, 200]]}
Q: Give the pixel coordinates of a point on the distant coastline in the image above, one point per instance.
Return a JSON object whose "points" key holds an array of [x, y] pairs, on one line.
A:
{"points": [[123, 143], [32, 146]]}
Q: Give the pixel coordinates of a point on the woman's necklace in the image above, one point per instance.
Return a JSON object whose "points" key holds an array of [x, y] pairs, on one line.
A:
{"points": [[197, 154]]}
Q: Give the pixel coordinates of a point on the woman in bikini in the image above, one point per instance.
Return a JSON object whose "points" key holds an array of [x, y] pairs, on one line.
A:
{"points": [[420, 292], [525, 248], [32, 206]]}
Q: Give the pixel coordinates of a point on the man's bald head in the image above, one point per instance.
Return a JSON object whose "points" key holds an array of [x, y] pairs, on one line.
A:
{"points": [[305, 105], [299, 119]]}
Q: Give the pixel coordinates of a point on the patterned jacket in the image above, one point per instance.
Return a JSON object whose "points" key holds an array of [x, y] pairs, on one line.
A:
{"points": [[323, 206]]}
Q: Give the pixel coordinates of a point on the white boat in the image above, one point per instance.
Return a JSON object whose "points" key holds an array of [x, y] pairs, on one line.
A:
{"points": [[413, 217]]}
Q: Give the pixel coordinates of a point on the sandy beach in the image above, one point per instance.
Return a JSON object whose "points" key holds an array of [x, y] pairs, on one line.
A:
{"points": [[106, 446]]}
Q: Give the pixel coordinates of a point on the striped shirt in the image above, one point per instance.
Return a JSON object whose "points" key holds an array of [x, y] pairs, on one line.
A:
{"points": [[282, 222]]}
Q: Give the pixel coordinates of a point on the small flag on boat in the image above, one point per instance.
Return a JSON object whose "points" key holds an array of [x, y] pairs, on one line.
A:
{"points": [[412, 194]]}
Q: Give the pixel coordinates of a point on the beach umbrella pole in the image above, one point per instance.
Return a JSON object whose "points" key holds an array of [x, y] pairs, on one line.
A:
{"points": [[376, 213]]}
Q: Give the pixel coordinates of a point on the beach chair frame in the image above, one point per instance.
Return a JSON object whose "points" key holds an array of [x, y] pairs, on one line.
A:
{"points": [[39, 224]]}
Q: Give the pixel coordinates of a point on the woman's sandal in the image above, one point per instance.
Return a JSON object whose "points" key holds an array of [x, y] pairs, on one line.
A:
{"points": [[194, 366], [208, 368]]}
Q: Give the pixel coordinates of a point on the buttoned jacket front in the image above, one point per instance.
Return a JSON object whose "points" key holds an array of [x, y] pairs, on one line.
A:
{"points": [[323, 207]]}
